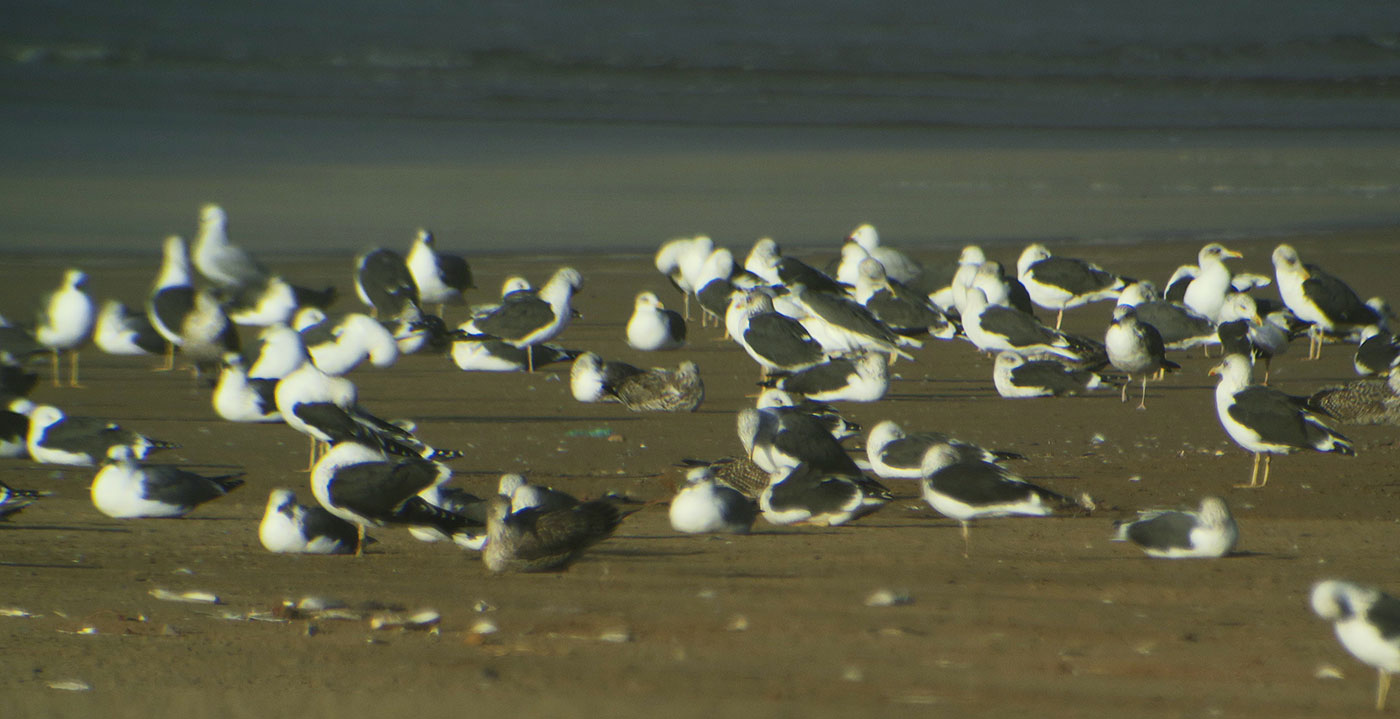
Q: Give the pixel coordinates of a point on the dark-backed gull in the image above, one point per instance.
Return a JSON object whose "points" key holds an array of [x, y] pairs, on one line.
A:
{"points": [[1062, 283], [1175, 534], [993, 328], [862, 378], [1367, 623], [1379, 352], [1318, 298], [239, 398], [441, 278], [291, 528], [653, 327], [527, 318], [778, 441], [1136, 348], [775, 341], [1016, 377], [383, 282], [1180, 328], [896, 454], [122, 332], [805, 494], [56, 438], [703, 506], [126, 489]]}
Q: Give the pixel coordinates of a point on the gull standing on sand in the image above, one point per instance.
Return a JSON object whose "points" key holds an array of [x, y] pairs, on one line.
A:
{"points": [[1367, 623], [527, 318], [1170, 534], [357, 483], [1180, 328], [966, 490], [125, 489], [65, 320], [1318, 298], [1266, 421], [56, 438], [682, 261], [291, 528], [652, 327], [703, 506], [221, 262], [441, 278], [774, 340], [838, 426], [1135, 348], [1062, 283], [535, 539], [1016, 377], [993, 328]]}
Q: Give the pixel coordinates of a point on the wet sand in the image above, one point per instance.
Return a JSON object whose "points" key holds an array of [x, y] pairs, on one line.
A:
{"points": [[1047, 617]]}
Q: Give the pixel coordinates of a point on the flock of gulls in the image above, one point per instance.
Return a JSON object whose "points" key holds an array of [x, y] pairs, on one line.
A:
{"points": [[273, 352]]}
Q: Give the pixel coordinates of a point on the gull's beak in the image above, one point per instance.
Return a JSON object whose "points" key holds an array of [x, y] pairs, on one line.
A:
{"points": [[1231, 254], [1216, 370]]}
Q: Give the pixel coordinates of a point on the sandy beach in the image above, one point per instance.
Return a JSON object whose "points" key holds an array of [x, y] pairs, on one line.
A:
{"points": [[1046, 616]]}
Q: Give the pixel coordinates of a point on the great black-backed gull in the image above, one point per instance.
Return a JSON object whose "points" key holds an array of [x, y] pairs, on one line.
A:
{"points": [[542, 540], [1318, 298], [126, 489], [1062, 283], [652, 327], [65, 320], [527, 318], [1180, 327], [239, 398], [805, 494], [1265, 421], [56, 438], [291, 528], [221, 262], [662, 390], [775, 341], [703, 506], [1367, 623], [1370, 400], [966, 490], [863, 378], [993, 328], [897, 265], [896, 454], [1136, 348], [1206, 292], [1016, 377], [1177, 534], [357, 483], [122, 332], [383, 282], [441, 278]]}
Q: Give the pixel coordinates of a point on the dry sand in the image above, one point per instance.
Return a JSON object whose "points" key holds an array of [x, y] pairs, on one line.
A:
{"points": [[1047, 617]]}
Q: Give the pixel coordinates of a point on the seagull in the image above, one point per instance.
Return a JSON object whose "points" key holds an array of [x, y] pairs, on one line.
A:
{"points": [[124, 489], [1016, 377], [683, 260], [993, 328], [842, 325], [704, 506], [1061, 283], [457, 501], [765, 260], [897, 265], [653, 327], [383, 282], [525, 318], [718, 282], [778, 441], [524, 495], [1135, 348], [340, 345], [1367, 623], [65, 320], [277, 352], [1265, 421], [274, 300], [1370, 400], [172, 295], [862, 378], [291, 528], [895, 454], [1379, 352], [13, 501], [226, 265], [441, 278], [838, 426], [1206, 291], [544, 540], [775, 341], [805, 494], [239, 398], [14, 428], [951, 297], [1318, 298], [661, 390], [1001, 288], [1180, 328], [482, 353], [966, 490], [357, 483], [591, 379], [899, 308], [738, 473], [121, 332], [1243, 331], [55, 438], [1168, 534]]}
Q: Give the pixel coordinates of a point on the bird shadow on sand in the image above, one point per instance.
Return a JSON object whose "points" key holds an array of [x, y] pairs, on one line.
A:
{"points": [[522, 420], [63, 528], [46, 565]]}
